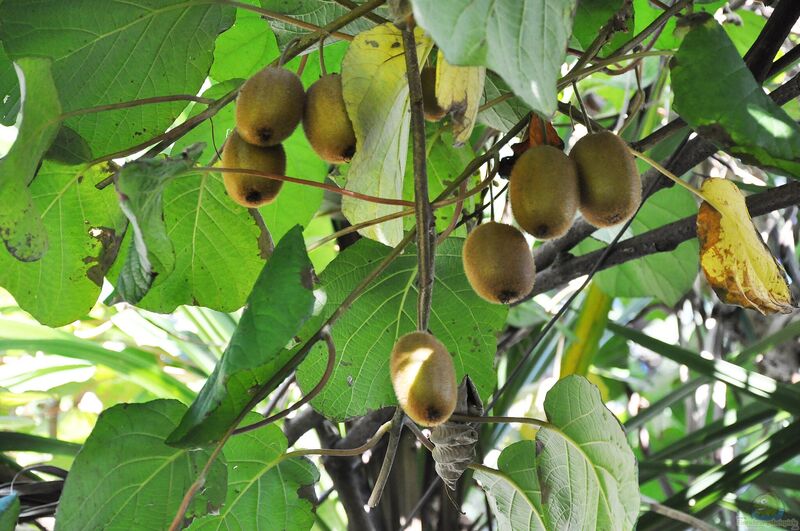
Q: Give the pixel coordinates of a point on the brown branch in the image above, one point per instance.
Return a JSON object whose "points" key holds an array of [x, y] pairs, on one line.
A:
{"points": [[136, 103], [280, 17], [426, 226], [377, 19], [651, 28], [662, 239], [768, 43], [388, 458]]}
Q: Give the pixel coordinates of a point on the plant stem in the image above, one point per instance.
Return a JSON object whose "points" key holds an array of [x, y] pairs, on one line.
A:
{"points": [[280, 17], [136, 103], [388, 458], [426, 226], [342, 452]]}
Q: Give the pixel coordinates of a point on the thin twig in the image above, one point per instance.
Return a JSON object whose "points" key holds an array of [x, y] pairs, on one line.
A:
{"points": [[196, 485], [136, 103], [342, 452], [280, 17], [388, 458], [326, 336], [377, 19], [651, 28], [426, 225], [305, 182]]}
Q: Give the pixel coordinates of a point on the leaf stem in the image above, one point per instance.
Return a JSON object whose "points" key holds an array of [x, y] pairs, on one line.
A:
{"points": [[677, 180], [136, 103], [280, 17], [342, 452], [388, 458]]}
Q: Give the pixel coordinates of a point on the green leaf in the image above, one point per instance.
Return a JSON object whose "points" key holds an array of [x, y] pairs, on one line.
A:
{"points": [[757, 385], [126, 477], [708, 75], [9, 512], [317, 12], [588, 469], [505, 115], [582, 476], [111, 51], [665, 276], [137, 366], [245, 48], [9, 90], [22, 442], [263, 492], [21, 226], [365, 334], [140, 185], [514, 492], [592, 15], [89, 225], [281, 301], [525, 42], [375, 90]]}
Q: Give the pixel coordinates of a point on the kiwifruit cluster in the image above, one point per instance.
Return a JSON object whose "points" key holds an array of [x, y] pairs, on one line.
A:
{"points": [[424, 378], [546, 189], [269, 108]]}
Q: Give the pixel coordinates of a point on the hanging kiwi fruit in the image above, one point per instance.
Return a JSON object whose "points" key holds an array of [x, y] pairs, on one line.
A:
{"points": [[609, 182], [252, 191], [424, 378], [498, 263], [326, 123], [269, 106], [544, 192]]}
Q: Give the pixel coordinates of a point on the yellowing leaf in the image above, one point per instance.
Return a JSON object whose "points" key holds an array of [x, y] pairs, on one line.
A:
{"points": [[376, 94], [735, 260], [458, 92]]}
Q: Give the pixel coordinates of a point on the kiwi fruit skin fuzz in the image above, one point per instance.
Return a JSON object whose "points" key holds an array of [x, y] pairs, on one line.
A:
{"points": [[252, 191], [498, 263], [609, 182], [269, 106], [544, 192], [430, 107], [424, 378], [325, 121]]}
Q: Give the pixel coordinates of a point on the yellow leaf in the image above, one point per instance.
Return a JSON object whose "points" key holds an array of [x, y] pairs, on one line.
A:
{"points": [[589, 328], [376, 95], [735, 260], [458, 92]]}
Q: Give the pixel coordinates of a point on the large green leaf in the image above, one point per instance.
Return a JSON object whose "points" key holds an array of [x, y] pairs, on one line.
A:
{"points": [[525, 41], [665, 276], [21, 226], [717, 95], [365, 334], [126, 477], [375, 89], [505, 115], [263, 492], [137, 366], [245, 48], [111, 51], [580, 475], [281, 301], [514, 492], [316, 12], [89, 225], [140, 185]]}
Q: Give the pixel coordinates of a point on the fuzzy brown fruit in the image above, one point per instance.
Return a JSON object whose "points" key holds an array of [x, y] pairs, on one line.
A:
{"points": [[430, 107], [269, 106], [609, 182], [424, 378], [498, 263], [251, 190], [544, 192], [325, 121]]}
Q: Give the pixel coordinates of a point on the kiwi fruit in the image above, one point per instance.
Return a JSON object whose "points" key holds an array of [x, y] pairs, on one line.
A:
{"points": [[609, 182], [252, 191], [430, 107], [424, 378], [544, 192], [325, 121], [498, 263], [269, 106]]}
